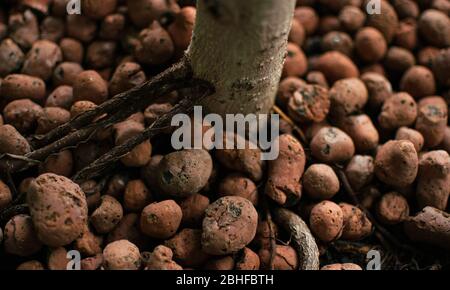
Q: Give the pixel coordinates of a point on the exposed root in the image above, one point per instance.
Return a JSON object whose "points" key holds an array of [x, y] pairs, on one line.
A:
{"points": [[297, 130], [303, 240], [98, 167], [118, 108]]}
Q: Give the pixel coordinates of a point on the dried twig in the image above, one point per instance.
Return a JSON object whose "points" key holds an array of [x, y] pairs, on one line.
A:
{"points": [[352, 247], [98, 167], [297, 130], [120, 107], [273, 244], [176, 77], [272, 235]]}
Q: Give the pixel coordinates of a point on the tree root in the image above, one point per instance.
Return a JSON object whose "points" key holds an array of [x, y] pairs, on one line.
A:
{"points": [[302, 238], [297, 130], [352, 247], [176, 77], [81, 129], [98, 167]]}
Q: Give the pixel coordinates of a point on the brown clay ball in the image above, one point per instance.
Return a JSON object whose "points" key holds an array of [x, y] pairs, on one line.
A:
{"points": [[112, 27], [397, 111], [184, 172], [287, 88], [12, 142], [154, 46], [51, 118], [406, 8], [378, 87], [57, 259], [97, 10], [141, 154], [414, 136], [362, 131], [60, 164], [434, 27], [433, 186], [72, 50], [356, 224], [397, 163], [320, 182], [30, 266], [107, 215], [238, 185], [42, 59], [5, 195], [66, 73], [406, 34], [310, 103], [19, 86], [187, 248], [81, 107], [61, 97], [351, 18], [181, 29], [193, 208], [220, 264], [11, 57], [399, 60], [328, 23], [419, 82], [347, 96], [89, 244], [392, 209], [337, 41], [247, 260], [55, 196], [161, 219], [341, 267], [297, 34], [370, 44], [136, 196], [386, 21], [128, 229], [440, 63], [296, 63], [241, 219], [121, 255], [326, 221], [332, 145], [144, 12], [285, 258], [127, 75], [317, 78], [20, 237], [90, 86], [308, 18], [432, 119], [335, 66], [22, 114], [161, 259], [360, 171]]}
